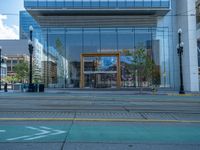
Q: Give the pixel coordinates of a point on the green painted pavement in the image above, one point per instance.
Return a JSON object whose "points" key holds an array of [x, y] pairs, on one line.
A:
{"points": [[25, 133], [103, 96], [164, 133]]}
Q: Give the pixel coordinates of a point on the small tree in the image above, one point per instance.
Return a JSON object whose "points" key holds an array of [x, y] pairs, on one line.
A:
{"points": [[10, 79], [139, 62], [144, 68], [21, 70]]}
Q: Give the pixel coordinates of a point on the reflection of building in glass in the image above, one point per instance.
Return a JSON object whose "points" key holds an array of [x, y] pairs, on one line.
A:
{"points": [[198, 34], [37, 61], [25, 21], [15, 51], [72, 27], [52, 78], [3, 71], [14, 60]]}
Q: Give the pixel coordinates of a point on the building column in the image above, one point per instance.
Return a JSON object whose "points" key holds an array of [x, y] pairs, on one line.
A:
{"points": [[186, 20]]}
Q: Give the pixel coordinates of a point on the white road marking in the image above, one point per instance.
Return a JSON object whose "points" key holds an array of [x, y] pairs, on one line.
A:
{"points": [[43, 132], [17, 138]]}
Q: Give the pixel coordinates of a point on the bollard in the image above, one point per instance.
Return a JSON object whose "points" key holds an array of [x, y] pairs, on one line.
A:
{"points": [[6, 87]]}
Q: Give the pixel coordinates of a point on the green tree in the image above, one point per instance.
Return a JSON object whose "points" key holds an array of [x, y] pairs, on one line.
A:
{"points": [[139, 64], [144, 69], [10, 79], [59, 46], [21, 70]]}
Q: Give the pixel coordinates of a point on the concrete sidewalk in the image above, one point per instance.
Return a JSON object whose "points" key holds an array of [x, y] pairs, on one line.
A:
{"points": [[110, 91]]}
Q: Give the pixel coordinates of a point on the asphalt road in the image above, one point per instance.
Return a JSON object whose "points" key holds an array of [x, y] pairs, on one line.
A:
{"points": [[98, 121]]}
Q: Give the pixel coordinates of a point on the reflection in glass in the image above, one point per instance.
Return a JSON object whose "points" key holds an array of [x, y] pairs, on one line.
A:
{"points": [[64, 46]]}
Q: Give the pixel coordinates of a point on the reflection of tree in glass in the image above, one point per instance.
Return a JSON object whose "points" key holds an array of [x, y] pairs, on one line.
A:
{"points": [[21, 70], [59, 45], [60, 61], [144, 69]]}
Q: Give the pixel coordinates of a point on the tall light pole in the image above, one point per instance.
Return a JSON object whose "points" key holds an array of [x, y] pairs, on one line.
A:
{"points": [[0, 66], [180, 53], [30, 47]]}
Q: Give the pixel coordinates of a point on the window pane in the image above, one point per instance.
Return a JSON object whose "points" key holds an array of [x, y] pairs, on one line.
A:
{"points": [[108, 40], [86, 4], [112, 3], [60, 3], [69, 3], [125, 39], [156, 3], [130, 3], [91, 40], [95, 3], [51, 3], [104, 3], [56, 57], [42, 3], [147, 3], [139, 3], [78, 3], [121, 3]]}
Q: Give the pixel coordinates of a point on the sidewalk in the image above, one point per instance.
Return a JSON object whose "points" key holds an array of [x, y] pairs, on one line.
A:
{"points": [[110, 91], [122, 91]]}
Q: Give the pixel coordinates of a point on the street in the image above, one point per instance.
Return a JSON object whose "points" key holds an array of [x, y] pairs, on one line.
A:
{"points": [[98, 120]]}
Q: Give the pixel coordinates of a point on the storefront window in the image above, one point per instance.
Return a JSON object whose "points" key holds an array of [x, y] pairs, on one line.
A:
{"points": [[64, 46]]}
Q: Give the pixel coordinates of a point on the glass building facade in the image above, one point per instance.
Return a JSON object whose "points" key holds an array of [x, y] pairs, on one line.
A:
{"points": [[25, 21], [92, 4], [64, 42]]}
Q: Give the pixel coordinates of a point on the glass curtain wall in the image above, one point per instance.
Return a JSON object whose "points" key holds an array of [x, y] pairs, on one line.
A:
{"points": [[96, 3], [63, 47], [54, 58]]}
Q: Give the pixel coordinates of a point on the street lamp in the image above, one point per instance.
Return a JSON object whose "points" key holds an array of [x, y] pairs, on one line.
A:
{"points": [[180, 53], [30, 47], [0, 66]]}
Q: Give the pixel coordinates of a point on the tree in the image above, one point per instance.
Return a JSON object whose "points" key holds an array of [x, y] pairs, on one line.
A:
{"points": [[139, 63], [144, 69], [21, 70], [10, 79], [59, 46]]}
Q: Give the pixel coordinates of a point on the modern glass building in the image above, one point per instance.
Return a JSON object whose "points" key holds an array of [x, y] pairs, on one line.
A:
{"points": [[70, 28], [25, 21]]}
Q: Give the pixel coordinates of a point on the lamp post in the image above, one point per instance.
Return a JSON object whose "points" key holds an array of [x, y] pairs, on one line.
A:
{"points": [[0, 66], [180, 53], [30, 47]]}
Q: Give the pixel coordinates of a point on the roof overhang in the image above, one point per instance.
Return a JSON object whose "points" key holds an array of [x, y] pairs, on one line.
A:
{"points": [[64, 11], [97, 17]]}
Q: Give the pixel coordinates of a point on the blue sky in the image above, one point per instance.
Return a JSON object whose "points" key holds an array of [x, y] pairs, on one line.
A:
{"points": [[9, 16]]}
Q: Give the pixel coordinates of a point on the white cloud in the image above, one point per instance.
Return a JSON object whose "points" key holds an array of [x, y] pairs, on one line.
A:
{"points": [[7, 32]]}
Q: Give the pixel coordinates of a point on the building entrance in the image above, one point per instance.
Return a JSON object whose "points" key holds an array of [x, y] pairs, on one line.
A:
{"points": [[100, 70]]}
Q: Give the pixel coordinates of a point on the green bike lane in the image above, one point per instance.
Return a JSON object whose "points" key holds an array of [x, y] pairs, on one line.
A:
{"points": [[101, 132], [101, 97]]}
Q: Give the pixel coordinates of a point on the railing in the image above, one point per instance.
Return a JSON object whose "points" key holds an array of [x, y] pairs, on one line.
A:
{"points": [[97, 4]]}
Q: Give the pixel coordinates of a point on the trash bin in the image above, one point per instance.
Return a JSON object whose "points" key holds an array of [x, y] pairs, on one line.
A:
{"points": [[5, 87], [41, 87], [31, 88]]}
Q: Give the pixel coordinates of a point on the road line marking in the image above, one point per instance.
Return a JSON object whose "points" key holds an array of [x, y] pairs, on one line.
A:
{"points": [[17, 138], [99, 120], [2, 130], [42, 133]]}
